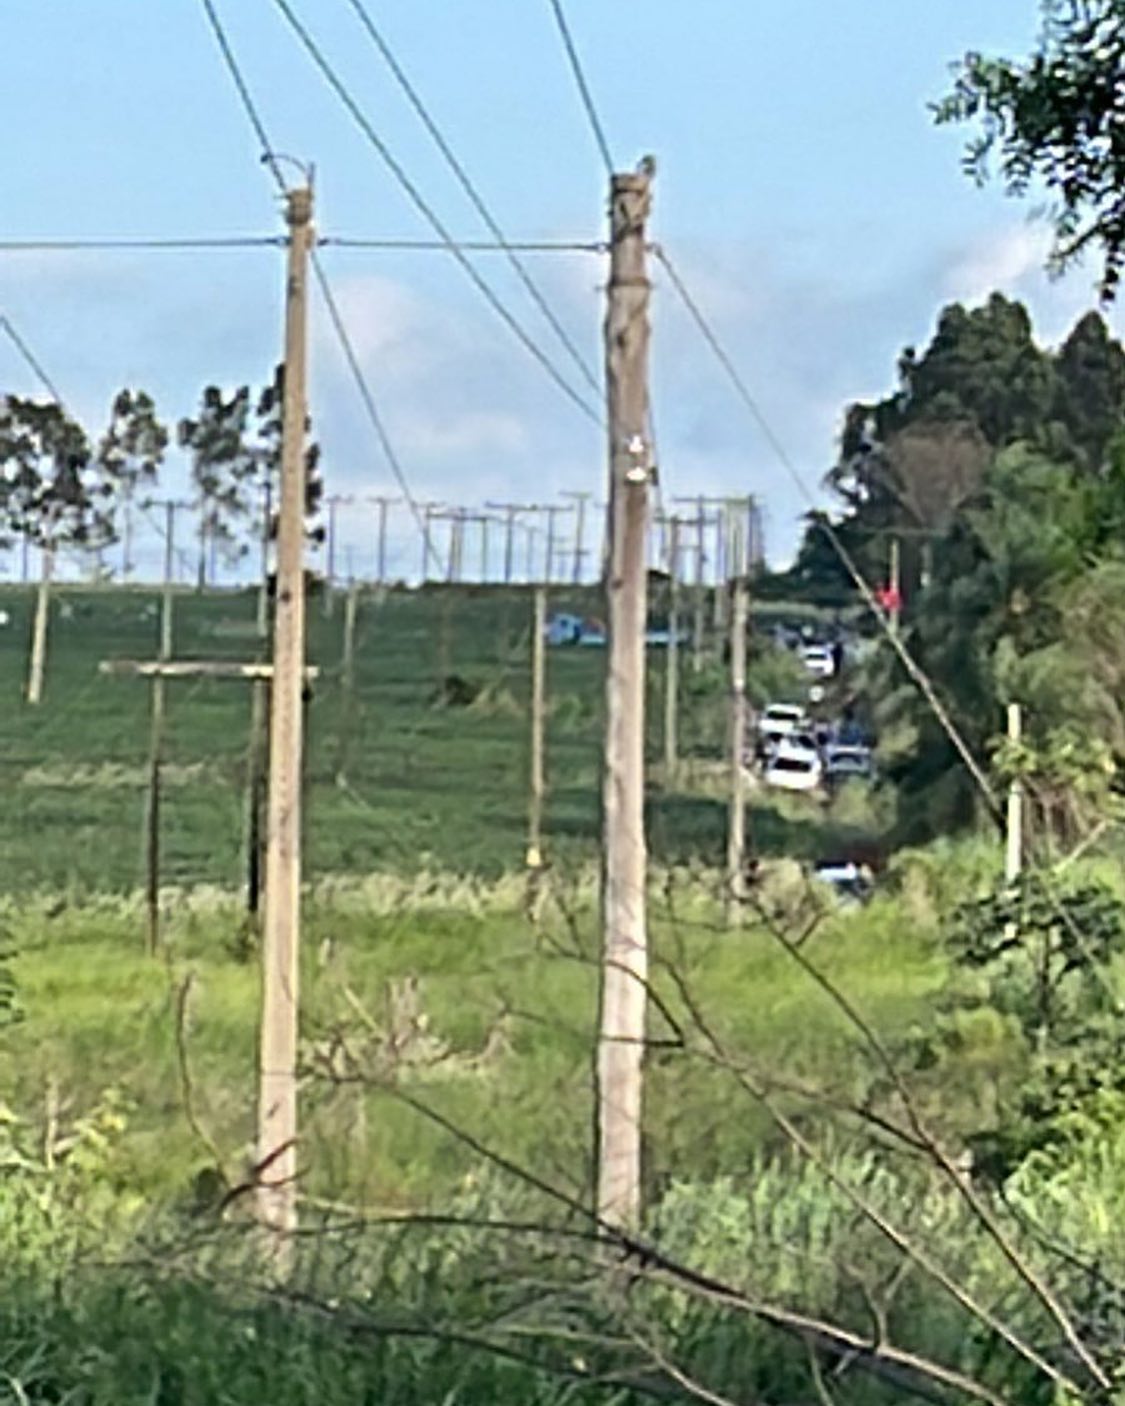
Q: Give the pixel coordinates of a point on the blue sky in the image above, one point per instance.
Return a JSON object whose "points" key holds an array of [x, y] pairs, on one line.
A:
{"points": [[802, 189]]}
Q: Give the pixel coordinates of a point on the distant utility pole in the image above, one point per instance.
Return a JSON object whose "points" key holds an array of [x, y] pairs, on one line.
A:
{"points": [[736, 824], [429, 512], [156, 738], [330, 553], [381, 540], [277, 1100], [42, 615], [511, 511], [625, 951], [552, 511], [538, 713], [699, 522], [580, 499], [672, 658]]}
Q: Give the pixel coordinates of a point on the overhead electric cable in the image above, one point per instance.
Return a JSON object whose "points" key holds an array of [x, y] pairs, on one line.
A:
{"points": [[583, 87], [476, 246], [127, 243], [473, 194], [322, 279], [31, 360], [266, 151], [370, 406], [915, 671], [429, 214]]}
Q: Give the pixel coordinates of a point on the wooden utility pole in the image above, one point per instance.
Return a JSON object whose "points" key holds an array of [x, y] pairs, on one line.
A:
{"points": [[259, 724], [1013, 849], [672, 659], [42, 615], [277, 1099], [330, 555], [156, 740], [722, 574], [625, 952], [538, 714], [580, 499], [700, 524], [736, 746], [381, 543]]}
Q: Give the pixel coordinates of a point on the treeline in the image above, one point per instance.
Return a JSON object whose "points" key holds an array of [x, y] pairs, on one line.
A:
{"points": [[61, 486], [998, 468]]}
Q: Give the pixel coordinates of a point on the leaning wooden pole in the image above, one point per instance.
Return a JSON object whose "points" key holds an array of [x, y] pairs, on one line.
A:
{"points": [[277, 1096], [536, 781], [156, 741], [38, 663], [736, 741], [672, 660], [259, 725], [624, 972]]}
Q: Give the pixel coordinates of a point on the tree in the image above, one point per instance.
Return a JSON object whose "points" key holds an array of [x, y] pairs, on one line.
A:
{"points": [[1055, 121], [269, 416], [130, 454], [222, 464], [51, 491], [1090, 392]]}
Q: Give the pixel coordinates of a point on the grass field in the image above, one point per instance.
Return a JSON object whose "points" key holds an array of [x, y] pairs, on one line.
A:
{"points": [[395, 781]]}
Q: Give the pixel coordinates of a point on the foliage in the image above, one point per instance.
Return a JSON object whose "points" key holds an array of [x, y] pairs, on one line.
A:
{"points": [[51, 490], [1044, 959], [131, 451], [1054, 122]]}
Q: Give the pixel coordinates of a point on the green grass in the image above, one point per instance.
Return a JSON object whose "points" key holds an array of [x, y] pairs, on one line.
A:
{"points": [[394, 780], [498, 1032]]}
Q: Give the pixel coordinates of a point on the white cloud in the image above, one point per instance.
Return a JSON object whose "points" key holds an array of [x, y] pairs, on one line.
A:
{"points": [[999, 261]]}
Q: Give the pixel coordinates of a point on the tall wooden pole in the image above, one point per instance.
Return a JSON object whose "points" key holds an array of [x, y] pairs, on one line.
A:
{"points": [[42, 616], [330, 558], [625, 950], [277, 1100], [672, 659], [259, 723], [722, 573], [580, 500], [156, 741], [538, 714], [736, 744]]}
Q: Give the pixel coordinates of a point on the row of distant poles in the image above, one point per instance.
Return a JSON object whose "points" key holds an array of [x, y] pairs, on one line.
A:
{"points": [[375, 538]]}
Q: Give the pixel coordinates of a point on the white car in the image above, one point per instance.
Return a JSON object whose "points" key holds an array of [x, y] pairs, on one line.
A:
{"points": [[780, 720], [793, 766], [818, 659], [843, 762]]}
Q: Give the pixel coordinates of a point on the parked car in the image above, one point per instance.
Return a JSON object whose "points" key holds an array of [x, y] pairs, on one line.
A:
{"points": [[781, 719], [851, 883], [842, 762], [819, 660], [793, 766]]}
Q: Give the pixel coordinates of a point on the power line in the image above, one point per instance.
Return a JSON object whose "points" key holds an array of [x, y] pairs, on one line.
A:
{"points": [[31, 360], [266, 150], [915, 671], [426, 210], [474, 195], [219, 242], [476, 246], [277, 241], [369, 405], [337, 320], [583, 87]]}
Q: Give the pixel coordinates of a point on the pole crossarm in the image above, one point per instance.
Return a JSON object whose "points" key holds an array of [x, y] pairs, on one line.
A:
{"points": [[193, 669]]}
